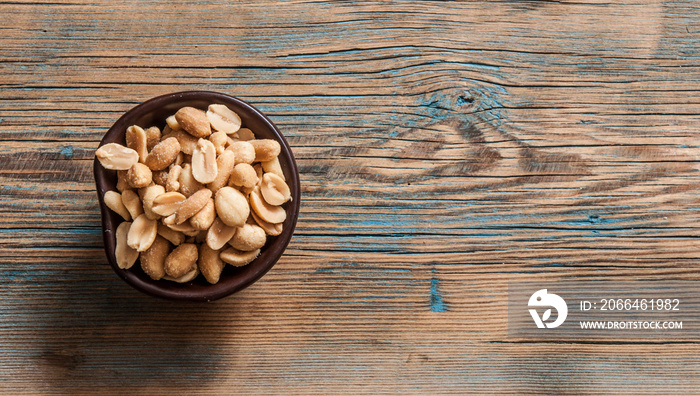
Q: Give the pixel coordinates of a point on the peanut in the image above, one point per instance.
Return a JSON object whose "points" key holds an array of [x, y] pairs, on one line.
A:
{"points": [[152, 138], [160, 177], [113, 200], [243, 175], [163, 154], [247, 238], [173, 181], [125, 255], [175, 237], [166, 204], [139, 175], [224, 166], [269, 213], [132, 203], [188, 184], [218, 234], [204, 162], [122, 184], [184, 278], [203, 219], [210, 264], [172, 123], [265, 149], [244, 151], [192, 205], [223, 119], [187, 141], [273, 166], [153, 258], [181, 260], [274, 190], [238, 258], [194, 121], [116, 157], [136, 140], [220, 141], [142, 233], [231, 206], [149, 194], [270, 229], [245, 134]]}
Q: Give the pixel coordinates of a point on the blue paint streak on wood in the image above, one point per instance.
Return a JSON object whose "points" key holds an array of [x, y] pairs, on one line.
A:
{"points": [[436, 303], [67, 152]]}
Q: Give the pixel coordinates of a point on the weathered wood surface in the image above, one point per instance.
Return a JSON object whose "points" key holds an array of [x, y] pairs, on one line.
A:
{"points": [[445, 148]]}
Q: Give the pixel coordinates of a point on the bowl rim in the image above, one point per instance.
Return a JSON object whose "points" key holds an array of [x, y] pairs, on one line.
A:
{"points": [[269, 255]]}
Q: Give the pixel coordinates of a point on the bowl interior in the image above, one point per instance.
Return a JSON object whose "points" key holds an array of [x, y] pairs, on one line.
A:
{"points": [[154, 112]]}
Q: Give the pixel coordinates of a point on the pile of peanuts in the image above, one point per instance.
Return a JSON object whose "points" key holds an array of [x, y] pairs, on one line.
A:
{"points": [[203, 193]]}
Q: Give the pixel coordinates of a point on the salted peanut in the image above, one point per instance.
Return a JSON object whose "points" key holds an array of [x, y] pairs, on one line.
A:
{"points": [[116, 157], [246, 190], [125, 255], [258, 172], [219, 234], [122, 184], [152, 137], [185, 228], [223, 119], [238, 258], [175, 237], [269, 228], [192, 205], [185, 278], [245, 134], [132, 203], [219, 140], [181, 260], [244, 152], [224, 166], [265, 149], [166, 204], [271, 214], [188, 184], [203, 219], [274, 190], [142, 233], [163, 154], [160, 177], [173, 182], [204, 162], [194, 121], [139, 176], [231, 206], [243, 175], [153, 259], [113, 200], [172, 123], [273, 166], [149, 194], [187, 141], [136, 140], [247, 238], [210, 264]]}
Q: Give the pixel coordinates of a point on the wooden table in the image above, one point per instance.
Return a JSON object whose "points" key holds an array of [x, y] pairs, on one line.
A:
{"points": [[445, 149]]}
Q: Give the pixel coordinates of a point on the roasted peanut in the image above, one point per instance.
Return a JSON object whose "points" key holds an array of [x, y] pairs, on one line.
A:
{"points": [[139, 176], [160, 177], [187, 141], [231, 206], [247, 238], [149, 194], [153, 258], [223, 119], [204, 167], [142, 233], [245, 134], [166, 204], [269, 213], [116, 157], [203, 219], [238, 258], [265, 149], [243, 175], [181, 260], [175, 237], [192, 205], [163, 154], [185, 278], [132, 203], [210, 264], [136, 140], [185, 228], [172, 123], [188, 184], [194, 121], [122, 184], [273, 166], [219, 140], [219, 234], [113, 200], [152, 138], [224, 166], [274, 190], [270, 229], [125, 255], [173, 182], [244, 152]]}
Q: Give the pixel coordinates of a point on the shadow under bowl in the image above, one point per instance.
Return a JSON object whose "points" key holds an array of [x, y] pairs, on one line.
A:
{"points": [[233, 279]]}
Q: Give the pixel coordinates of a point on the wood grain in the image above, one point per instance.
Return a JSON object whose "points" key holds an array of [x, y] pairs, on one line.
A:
{"points": [[445, 148]]}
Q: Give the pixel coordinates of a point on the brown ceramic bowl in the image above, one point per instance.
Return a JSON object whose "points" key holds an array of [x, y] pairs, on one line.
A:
{"points": [[233, 279]]}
